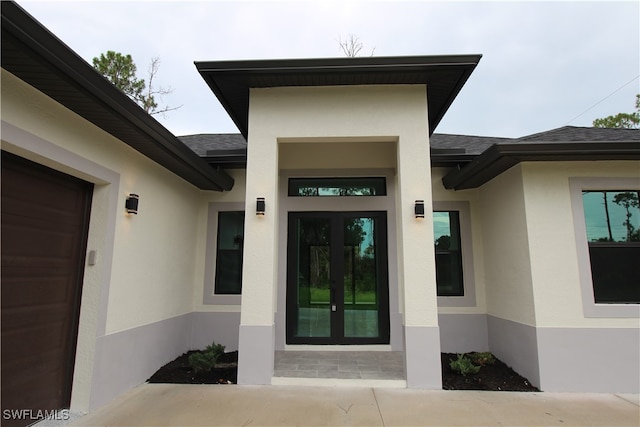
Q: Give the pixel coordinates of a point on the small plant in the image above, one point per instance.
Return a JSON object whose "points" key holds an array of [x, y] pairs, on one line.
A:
{"points": [[482, 358], [463, 365], [205, 360]]}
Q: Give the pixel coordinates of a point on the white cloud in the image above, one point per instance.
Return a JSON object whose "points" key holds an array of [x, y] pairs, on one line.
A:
{"points": [[544, 62]]}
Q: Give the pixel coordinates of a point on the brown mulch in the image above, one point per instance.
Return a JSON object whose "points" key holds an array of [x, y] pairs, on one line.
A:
{"points": [[496, 377], [178, 371]]}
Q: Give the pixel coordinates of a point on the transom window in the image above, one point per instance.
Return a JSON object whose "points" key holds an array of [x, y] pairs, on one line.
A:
{"points": [[612, 220], [314, 187], [446, 230]]}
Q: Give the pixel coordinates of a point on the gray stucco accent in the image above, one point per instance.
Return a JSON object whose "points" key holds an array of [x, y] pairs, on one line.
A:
{"points": [[128, 358], [466, 245], [463, 333], [593, 360], [256, 355], [577, 185], [516, 345], [221, 327], [209, 297], [422, 357]]}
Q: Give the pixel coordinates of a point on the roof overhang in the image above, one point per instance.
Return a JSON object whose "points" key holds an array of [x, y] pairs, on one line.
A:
{"points": [[444, 76], [36, 56], [500, 157]]}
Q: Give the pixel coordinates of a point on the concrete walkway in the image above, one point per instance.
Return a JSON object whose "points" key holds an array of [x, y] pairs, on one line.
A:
{"points": [[233, 405]]}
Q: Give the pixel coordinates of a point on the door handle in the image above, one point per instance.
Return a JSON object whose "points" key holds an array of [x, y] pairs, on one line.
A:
{"points": [[333, 300]]}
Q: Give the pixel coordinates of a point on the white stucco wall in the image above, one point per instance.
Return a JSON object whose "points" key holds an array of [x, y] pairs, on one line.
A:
{"points": [[552, 242], [150, 279], [353, 119], [507, 269]]}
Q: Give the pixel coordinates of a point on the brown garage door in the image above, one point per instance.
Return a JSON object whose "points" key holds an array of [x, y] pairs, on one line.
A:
{"points": [[45, 219]]}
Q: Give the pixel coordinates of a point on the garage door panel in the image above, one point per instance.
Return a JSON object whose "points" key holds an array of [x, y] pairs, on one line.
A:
{"points": [[43, 243], [40, 240], [37, 290]]}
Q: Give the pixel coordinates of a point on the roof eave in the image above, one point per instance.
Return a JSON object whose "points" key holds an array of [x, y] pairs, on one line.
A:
{"points": [[500, 157], [72, 73], [237, 73]]}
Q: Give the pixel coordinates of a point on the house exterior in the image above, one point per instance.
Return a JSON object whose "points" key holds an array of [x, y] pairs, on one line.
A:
{"points": [[337, 218]]}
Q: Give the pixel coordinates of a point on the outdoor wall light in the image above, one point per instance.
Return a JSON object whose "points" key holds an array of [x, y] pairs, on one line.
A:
{"points": [[419, 209], [260, 206], [131, 205]]}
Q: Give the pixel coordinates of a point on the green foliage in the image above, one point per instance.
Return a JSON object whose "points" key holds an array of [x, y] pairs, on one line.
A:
{"points": [[206, 359], [463, 365], [621, 120], [120, 70], [482, 358]]}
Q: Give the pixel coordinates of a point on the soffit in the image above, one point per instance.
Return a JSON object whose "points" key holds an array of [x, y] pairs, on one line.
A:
{"points": [[444, 76]]}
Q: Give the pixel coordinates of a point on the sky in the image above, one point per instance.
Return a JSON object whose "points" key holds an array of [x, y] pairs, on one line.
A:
{"points": [[545, 64]]}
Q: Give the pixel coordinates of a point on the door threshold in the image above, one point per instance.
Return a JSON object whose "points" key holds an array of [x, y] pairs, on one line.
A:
{"points": [[311, 347], [338, 382]]}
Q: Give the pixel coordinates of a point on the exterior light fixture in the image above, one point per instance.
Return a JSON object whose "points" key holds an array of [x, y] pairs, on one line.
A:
{"points": [[419, 209], [260, 206], [131, 205]]}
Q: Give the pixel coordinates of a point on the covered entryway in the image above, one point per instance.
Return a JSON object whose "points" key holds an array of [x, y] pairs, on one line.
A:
{"points": [[45, 220], [337, 284]]}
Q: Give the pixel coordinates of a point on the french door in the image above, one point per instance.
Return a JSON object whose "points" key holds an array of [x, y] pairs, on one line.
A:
{"points": [[337, 278]]}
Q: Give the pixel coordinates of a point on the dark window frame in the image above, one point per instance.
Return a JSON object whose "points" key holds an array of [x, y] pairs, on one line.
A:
{"points": [[227, 253], [614, 275], [459, 288]]}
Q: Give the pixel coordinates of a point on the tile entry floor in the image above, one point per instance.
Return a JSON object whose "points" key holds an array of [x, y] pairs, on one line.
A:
{"points": [[370, 365]]}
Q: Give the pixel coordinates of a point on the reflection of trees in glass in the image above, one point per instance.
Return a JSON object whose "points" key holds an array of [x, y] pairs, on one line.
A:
{"points": [[624, 231], [628, 200]]}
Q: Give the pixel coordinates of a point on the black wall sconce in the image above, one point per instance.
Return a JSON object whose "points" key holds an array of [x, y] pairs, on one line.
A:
{"points": [[419, 209], [260, 206], [131, 205]]}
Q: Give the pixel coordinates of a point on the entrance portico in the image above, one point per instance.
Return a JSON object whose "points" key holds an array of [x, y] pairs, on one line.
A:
{"points": [[359, 129]]}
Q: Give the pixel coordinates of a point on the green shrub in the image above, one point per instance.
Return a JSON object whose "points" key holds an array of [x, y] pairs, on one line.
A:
{"points": [[482, 359], [463, 365], [205, 360]]}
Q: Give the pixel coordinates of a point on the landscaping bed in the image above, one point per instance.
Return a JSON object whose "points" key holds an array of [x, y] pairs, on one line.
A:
{"points": [[491, 377]]}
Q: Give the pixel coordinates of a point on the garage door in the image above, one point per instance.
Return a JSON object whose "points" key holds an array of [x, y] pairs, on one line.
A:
{"points": [[45, 219]]}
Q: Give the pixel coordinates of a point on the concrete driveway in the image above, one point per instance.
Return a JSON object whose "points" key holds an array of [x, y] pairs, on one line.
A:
{"points": [[233, 405]]}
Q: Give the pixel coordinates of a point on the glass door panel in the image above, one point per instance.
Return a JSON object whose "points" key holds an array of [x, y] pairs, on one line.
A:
{"points": [[313, 275], [337, 284], [360, 278]]}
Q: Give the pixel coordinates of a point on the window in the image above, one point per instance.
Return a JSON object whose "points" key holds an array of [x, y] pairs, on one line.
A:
{"points": [[310, 187], [229, 253], [446, 230], [612, 220]]}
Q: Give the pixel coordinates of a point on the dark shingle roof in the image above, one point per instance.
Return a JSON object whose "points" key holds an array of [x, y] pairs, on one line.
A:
{"points": [[203, 143], [583, 134], [471, 144]]}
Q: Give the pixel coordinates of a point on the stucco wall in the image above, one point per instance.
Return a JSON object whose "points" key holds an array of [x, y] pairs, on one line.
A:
{"points": [[503, 219], [150, 279], [144, 276], [552, 240]]}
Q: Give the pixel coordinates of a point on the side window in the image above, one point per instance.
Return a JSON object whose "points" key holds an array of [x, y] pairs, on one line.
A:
{"points": [[612, 220], [229, 253], [446, 228]]}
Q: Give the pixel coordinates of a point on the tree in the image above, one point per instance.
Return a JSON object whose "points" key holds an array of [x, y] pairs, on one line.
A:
{"points": [[120, 70], [352, 46], [621, 120], [628, 200]]}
